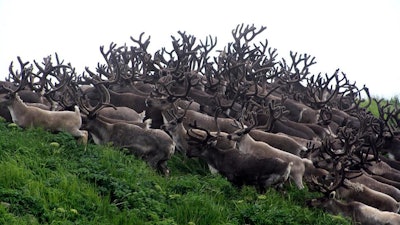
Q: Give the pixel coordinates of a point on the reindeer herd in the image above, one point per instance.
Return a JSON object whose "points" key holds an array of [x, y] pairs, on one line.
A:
{"points": [[253, 119]]}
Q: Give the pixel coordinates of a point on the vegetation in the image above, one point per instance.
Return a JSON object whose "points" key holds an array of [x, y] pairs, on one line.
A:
{"points": [[49, 179], [373, 107]]}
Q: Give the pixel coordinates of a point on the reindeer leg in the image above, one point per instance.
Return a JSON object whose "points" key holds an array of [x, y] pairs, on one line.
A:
{"points": [[82, 136], [298, 180]]}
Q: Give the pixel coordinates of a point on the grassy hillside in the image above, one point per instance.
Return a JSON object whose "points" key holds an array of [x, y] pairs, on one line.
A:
{"points": [[49, 179]]}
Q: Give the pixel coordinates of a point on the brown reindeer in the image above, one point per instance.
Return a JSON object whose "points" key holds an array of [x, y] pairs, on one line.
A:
{"points": [[247, 144], [357, 211], [153, 145], [239, 168]]}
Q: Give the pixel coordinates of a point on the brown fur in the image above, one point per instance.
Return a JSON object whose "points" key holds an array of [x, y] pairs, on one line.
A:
{"points": [[357, 211], [241, 168], [153, 145], [260, 149]]}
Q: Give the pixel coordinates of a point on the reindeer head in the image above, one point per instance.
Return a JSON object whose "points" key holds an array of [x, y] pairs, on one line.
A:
{"points": [[199, 140], [20, 78], [323, 202]]}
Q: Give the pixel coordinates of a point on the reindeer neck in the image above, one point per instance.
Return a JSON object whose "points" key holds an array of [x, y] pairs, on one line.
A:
{"points": [[340, 208], [99, 130], [245, 141], [224, 143], [179, 136], [166, 117], [17, 108], [216, 158]]}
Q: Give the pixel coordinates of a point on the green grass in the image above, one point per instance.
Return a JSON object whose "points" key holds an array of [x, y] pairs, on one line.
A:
{"points": [[45, 183], [373, 107]]}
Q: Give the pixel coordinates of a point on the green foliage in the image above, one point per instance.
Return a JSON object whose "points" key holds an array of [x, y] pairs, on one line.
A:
{"points": [[373, 107], [49, 179]]}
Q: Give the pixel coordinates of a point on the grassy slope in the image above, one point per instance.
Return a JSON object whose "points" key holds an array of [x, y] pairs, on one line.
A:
{"points": [[43, 183]]}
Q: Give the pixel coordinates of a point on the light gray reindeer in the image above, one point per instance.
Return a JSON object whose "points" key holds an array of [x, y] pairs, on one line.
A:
{"points": [[357, 211], [30, 116]]}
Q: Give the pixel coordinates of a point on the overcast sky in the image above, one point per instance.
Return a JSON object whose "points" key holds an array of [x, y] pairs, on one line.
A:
{"points": [[359, 37]]}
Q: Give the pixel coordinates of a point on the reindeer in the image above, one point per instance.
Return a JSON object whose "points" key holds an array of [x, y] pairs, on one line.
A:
{"points": [[278, 141], [248, 145], [368, 181], [384, 170], [178, 131], [357, 211], [192, 116], [133, 100], [355, 199], [122, 113], [239, 168], [352, 191], [341, 182], [274, 115], [29, 116], [152, 145]]}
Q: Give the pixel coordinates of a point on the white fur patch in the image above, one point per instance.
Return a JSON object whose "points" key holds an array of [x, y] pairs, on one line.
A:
{"points": [[301, 115], [13, 116], [96, 139], [212, 169]]}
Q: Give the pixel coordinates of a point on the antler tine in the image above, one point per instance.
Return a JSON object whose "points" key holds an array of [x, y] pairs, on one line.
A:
{"points": [[292, 73], [19, 78], [351, 98], [239, 33], [64, 85], [105, 99], [63, 73], [338, 176], [180, 118], [395, 117], [189, 85], [276, 111], [267, 61], [386, 114], [67, 99], [318, 89], [143, 45], [348, 138], [207, 47], [251, 118], [229, 102], [325, 115], [191, 133], [112, 64], [44, 73]]}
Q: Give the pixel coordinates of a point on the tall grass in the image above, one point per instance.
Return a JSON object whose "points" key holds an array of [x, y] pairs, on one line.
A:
{"points": [[49, 179]]}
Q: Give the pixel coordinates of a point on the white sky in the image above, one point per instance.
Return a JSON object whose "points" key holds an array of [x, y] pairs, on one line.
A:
{"points": [[360, 37]]}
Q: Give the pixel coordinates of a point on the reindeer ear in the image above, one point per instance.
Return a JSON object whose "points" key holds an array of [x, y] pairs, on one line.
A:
{"points": [[148, 123], [332, 195]]}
